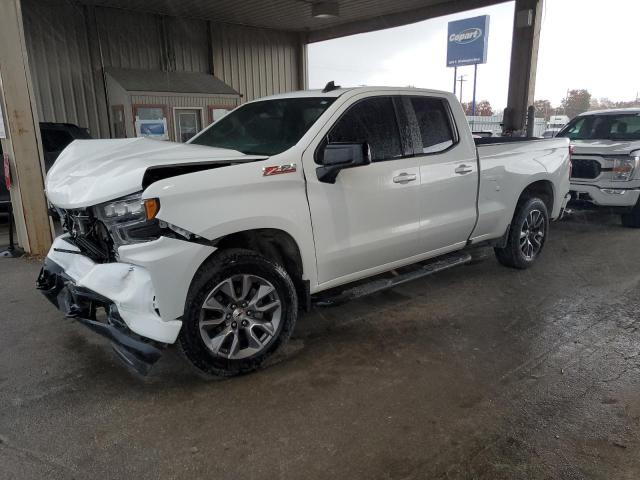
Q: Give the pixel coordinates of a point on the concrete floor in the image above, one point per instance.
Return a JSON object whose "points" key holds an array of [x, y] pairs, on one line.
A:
{"points": [[479, 372]]}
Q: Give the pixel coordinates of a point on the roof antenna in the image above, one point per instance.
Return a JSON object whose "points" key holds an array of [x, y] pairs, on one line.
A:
{"points": [[330, 86]]}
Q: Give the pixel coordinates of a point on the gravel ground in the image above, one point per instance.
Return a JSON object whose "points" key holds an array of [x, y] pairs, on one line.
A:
{"points": [[479, 372]]}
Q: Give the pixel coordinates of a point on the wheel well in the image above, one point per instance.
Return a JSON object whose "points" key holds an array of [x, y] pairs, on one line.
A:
{"points": [[542, 189], [276, 245]]}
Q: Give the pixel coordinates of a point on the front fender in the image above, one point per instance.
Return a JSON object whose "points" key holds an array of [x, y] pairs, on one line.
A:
{"points": [[220, 202]]}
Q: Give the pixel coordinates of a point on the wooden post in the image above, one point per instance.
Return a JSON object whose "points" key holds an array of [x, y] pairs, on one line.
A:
{"points": [[23, 143]]}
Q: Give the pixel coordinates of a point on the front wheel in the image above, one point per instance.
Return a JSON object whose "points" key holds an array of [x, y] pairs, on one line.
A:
{"points": [[241, 307], [527, 234]]}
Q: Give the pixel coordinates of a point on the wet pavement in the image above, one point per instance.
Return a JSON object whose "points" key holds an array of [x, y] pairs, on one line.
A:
{"points": [[479, 372]]}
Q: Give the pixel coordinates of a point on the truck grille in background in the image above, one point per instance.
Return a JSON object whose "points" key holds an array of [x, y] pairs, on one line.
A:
{"points": [[585, 168]]}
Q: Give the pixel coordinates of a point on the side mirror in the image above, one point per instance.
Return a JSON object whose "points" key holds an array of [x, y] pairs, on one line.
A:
{"points": [[338, 156]]}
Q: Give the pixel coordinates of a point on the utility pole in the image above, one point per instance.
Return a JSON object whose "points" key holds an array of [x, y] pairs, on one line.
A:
{"points": [[461, 79]]}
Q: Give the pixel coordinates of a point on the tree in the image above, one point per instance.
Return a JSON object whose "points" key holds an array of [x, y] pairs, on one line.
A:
{"points": [[543, 109], [483, 108], [576, 102]]}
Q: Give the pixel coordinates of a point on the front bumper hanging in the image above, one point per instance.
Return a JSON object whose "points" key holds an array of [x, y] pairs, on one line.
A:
{"points": [[82, 305]]}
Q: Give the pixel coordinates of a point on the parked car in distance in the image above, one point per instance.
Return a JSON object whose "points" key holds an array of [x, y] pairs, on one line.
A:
{"points": [[55, 138], [606, 161], [217, 244], [550, 132]]}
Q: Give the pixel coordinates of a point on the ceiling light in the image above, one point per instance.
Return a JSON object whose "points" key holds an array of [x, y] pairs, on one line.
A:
{"points": [[325, 9]]}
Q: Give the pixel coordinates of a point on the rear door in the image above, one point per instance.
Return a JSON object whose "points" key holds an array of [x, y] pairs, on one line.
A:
{"points": [[448, 172], [369, 217]]}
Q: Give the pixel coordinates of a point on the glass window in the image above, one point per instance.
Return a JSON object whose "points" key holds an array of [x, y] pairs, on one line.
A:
{"points": [[216, 113], [150, 113], [373, 121], [151, 122], [55, 140], [188, 123], [266, 127], [603, 127], [433, 120]]}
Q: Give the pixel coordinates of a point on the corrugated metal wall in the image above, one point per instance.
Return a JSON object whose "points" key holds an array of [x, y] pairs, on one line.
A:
{"points": [[189, 45], [63, 79], [66, 61], [254, 61], [129, 39]]}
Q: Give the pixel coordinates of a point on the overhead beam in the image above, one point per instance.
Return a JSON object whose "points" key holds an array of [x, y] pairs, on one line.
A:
{"points": [[527, 20], [398, 19], [23, 143]]}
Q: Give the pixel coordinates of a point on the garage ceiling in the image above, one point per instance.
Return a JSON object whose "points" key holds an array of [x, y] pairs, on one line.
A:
{"points": [[356, 16]]}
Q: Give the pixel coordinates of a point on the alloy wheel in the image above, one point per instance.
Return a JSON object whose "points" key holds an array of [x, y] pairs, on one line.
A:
{"points": [[240, 316], [532, 234]]}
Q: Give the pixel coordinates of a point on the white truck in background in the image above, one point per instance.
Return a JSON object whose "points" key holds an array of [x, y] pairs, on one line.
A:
{"points": [[218, 244], [606, 161], [554, 125]]}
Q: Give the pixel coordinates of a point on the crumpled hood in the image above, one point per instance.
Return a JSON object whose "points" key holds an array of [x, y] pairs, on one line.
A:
{"points": [[89, 172], [605, 147]]}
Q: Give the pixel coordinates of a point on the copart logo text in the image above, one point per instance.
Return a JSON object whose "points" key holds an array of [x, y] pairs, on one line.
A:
{"points": [[466, 36]]}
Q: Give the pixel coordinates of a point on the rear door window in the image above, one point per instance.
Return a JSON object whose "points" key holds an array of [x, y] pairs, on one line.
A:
{"points": [[372, 120], [434, 122]]}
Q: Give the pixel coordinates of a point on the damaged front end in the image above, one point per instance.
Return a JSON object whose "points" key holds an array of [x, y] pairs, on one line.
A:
{"points": [[98, 313]]}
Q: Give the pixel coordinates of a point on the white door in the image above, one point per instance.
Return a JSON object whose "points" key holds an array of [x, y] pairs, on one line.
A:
{"points": [[448, 172], [188, 123], [369, 217]]}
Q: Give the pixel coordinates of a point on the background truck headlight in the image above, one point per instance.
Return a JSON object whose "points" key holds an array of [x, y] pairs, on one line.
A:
{"points": [[624, 167]]}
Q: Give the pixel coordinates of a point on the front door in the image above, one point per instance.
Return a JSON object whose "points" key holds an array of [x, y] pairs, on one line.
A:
{"points": [[369, 217], [188, 123]]}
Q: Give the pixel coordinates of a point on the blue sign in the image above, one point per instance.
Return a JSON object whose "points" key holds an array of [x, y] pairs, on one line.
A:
{"points": [[467, 41]]}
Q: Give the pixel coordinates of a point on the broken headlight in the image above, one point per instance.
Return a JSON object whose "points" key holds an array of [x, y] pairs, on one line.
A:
{"points": [[130, 219]]}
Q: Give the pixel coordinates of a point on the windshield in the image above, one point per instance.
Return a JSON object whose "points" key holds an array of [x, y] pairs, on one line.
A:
{"points": [[266, 127], [603, 127]]}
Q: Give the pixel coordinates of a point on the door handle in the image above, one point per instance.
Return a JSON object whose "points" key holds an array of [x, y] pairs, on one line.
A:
{"points": [[404, 178], [463, 169]]}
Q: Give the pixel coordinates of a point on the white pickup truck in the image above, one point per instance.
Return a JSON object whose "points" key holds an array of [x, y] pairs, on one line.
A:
{"points": [[606, 161], [217, 244]]}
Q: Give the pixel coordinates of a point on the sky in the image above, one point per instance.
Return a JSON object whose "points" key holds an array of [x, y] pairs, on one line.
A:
{"points": [[582, 45]]}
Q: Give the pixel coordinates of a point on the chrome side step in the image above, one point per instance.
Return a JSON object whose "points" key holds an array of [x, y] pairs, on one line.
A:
{"points": [[378, 284]]}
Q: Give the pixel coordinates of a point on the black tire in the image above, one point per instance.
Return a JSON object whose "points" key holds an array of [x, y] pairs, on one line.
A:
{"points": [[632, 219], [224, 265], [512, 255]]}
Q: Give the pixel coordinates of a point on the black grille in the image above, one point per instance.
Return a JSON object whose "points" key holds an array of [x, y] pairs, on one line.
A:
{"points": [[89, 235], [585, 168]]}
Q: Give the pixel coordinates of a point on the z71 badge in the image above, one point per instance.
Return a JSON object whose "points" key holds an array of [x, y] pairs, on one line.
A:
{"points": [[277, 170]]}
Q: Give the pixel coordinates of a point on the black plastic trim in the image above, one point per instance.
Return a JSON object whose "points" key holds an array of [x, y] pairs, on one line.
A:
{"points": [[80, 304]]}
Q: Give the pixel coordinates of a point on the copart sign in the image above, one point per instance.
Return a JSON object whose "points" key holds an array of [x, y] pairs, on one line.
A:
{"points": [[467, 41]]}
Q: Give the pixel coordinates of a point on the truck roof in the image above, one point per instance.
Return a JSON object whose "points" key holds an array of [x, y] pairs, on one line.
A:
{"points": [[339, 91], [613, 111]]}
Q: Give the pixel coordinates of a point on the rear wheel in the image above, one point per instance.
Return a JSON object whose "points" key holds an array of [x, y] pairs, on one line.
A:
{"points": [[241, 308], [527, 234]]}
